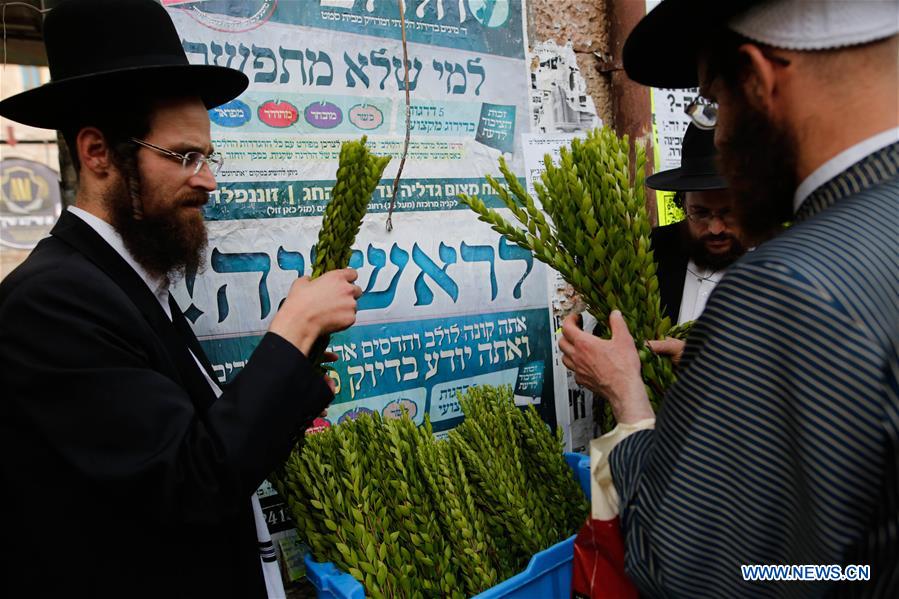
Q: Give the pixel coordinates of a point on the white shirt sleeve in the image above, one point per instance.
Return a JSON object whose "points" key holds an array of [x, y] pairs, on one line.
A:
{"points": [[604, 504]]}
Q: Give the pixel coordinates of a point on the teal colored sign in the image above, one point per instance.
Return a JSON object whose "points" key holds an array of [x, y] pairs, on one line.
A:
{"points": [[496, 127], [247, 200], [419, 366]]}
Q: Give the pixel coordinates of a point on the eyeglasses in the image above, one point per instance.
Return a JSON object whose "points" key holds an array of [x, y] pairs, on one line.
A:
{"points": [[190, 161], [703, 112], [705, 217]]}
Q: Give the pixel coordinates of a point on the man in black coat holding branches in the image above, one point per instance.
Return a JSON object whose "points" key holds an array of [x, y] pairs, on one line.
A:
{"points": [[126, 471]]}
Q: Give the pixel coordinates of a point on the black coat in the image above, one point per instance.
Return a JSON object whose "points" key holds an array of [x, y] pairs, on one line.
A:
{"points": [[671, 256], [122, 475]]}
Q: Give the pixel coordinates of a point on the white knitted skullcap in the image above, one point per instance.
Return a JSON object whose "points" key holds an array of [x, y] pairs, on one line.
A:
{"points": [[818, 24]]}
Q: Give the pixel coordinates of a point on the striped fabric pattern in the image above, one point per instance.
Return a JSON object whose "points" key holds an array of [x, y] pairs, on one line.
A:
{"points": [[779, 442]]}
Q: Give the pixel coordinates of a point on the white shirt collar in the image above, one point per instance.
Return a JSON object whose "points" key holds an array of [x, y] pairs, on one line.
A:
{"points": [[698, 285], [158, 285], [841, 162]]}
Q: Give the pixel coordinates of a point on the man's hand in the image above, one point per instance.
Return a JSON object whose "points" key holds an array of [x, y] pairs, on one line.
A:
{"points": [[669, 346], [608, 367], [314, 308]]}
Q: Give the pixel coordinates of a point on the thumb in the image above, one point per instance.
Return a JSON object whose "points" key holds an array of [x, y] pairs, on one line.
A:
{"points": [[618, 326]]}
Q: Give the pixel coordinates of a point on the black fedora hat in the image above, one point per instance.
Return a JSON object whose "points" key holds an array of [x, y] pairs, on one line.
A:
{"points": [[103, 53], [698, 169], [650, 59]]}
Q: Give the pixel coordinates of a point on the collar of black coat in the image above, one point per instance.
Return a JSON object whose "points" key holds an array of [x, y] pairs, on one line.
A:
{"points": [[874, 169], [78, 234]]}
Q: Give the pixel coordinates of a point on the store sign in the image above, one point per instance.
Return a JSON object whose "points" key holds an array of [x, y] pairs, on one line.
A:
{"points": [[30, 202]]}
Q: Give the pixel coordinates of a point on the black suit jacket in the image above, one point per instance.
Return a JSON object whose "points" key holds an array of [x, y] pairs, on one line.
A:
{"points": [[671, 258], [122, 474]]}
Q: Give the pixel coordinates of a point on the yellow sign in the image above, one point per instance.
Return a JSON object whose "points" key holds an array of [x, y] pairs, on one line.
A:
{"points": [[669, 213]]}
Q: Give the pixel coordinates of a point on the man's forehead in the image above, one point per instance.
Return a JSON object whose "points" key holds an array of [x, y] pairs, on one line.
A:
{"points": [[711, 199], [186, 118], [705, 72]]}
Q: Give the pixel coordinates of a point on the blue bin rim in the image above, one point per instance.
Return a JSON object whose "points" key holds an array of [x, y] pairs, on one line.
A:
{"points": [[541, 563]]}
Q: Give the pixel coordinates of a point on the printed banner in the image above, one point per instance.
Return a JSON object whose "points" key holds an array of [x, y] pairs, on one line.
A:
{"points": [[669, 123], [447, 302]]}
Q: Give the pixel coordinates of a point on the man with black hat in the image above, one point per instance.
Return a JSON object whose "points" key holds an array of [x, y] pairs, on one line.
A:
{"points": [[126, 471], [779, 443], [692, 255]]}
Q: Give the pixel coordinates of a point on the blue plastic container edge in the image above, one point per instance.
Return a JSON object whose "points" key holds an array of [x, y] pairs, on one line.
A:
{"points": [[580, 464], [330, 582], [541, 564]]}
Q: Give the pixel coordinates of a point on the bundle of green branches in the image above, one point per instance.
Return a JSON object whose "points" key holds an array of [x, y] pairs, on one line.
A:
{"points": [[412, 516], [358, 174], [526, 491], [593, 229]]}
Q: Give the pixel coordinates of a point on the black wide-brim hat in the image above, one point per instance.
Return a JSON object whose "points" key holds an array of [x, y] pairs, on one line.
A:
{"points": [[663, 49], [698, 169], [104, 54]]}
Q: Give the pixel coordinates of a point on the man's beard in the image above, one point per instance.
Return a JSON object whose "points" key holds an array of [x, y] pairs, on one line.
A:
{"points": [[168, 244], [759, 161], [703, 258]]}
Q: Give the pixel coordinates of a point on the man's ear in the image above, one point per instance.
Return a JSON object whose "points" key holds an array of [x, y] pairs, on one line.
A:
{"points": [[93, 151], [759, 79]]}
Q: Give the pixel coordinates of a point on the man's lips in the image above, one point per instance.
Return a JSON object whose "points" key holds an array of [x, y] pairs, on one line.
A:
{"points": [[197, 203], [717, 243]]}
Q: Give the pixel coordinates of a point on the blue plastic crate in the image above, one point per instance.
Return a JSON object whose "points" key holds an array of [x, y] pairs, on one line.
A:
{"points": [[548, 574]]}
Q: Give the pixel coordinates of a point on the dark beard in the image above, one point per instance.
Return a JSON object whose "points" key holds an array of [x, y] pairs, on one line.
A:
{"points": [[705, 259], [759, 162], [163, 244]]}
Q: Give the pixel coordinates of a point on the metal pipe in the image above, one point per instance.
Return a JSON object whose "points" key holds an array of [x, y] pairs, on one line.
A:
{"points": [[631, 107]]}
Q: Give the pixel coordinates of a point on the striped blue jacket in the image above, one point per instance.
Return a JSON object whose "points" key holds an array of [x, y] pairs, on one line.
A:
{"points": [[778, 444]]}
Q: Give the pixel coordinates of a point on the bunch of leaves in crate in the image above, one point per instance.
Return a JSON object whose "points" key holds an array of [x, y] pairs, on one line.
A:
{"points": [[354, 506], [526, 490], [593, 229], [358, 174], [412, 516]]}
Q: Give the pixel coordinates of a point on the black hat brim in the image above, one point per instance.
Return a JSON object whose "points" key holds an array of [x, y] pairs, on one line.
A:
{"points": [[663, 49], [677, 179], [57, 104]]}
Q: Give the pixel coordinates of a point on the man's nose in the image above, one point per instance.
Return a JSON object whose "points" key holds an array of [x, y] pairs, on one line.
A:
{"points": [[716, 225], [204, 179]]}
